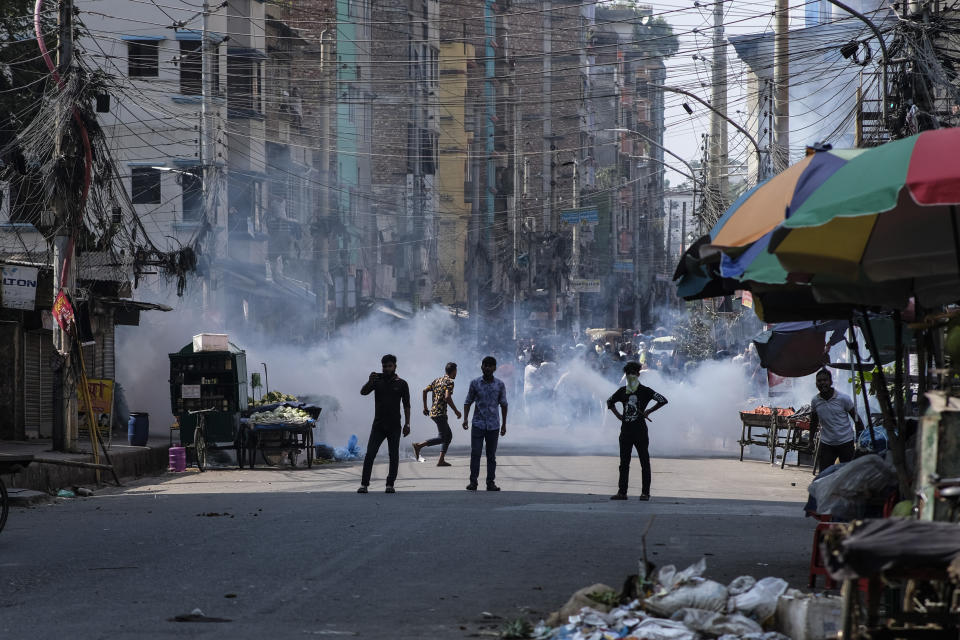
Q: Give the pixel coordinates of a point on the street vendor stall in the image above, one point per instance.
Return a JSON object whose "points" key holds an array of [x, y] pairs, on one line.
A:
{"points": [[282, 429], [208, 391], [765, 427]]}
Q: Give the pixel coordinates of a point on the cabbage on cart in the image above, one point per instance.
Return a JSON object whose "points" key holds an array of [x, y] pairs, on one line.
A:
{"points": [[279, 430]]}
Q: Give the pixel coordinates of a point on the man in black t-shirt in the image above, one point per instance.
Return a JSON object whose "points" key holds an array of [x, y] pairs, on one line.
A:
{"points": [[634, 398], [389, 392]]}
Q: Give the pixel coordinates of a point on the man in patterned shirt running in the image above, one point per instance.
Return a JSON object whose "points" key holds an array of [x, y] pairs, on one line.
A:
{"points": [[442, 389]]}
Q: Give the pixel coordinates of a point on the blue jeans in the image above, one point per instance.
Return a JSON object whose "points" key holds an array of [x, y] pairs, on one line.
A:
{"points": [[477, 439]]}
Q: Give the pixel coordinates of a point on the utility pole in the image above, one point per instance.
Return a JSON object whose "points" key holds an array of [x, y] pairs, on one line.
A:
{"points": [[65, 425], [575, 250], [719, 173], [321, 241], [474, 234], [549, 161], [781, 79]]}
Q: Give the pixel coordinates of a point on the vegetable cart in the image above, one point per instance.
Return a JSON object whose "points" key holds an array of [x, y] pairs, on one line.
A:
{"points": [[208, 391], [284, 430]]}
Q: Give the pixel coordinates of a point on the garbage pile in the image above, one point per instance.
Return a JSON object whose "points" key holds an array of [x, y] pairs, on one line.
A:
{"points": [[675, 605]]}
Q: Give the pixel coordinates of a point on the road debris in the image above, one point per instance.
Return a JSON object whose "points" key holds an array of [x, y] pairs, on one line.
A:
{"points": [[683, 605], [196, 616]]}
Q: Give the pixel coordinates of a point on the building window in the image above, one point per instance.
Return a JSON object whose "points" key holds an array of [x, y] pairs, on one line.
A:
{"points": [[145, 185], [191, 68], [241, 83], [143, 58], [191, 182]]}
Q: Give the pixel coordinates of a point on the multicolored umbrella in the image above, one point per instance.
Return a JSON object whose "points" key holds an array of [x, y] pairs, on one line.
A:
{"points": [[763, 208], [743, 231], [890, 213]]}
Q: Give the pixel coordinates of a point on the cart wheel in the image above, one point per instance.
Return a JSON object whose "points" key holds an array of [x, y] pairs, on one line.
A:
{"points": [[310, 449], [200, 447], [4, 505]]}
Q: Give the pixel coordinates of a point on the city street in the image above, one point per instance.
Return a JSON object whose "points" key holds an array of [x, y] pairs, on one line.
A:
{"points": [[297, 553]]}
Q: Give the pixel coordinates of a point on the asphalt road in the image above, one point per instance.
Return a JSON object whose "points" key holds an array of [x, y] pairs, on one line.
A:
{"points": [[290, 553]]}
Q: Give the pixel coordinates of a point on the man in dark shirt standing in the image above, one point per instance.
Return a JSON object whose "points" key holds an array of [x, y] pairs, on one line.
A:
{"points": [[634, 398], [389, 392]]}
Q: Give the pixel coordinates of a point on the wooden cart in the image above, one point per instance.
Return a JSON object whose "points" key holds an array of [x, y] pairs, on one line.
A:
{"points": [[769, 430]]}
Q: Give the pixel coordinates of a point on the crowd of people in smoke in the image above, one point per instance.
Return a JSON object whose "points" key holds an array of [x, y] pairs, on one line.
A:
{"points": [[572, 377]]}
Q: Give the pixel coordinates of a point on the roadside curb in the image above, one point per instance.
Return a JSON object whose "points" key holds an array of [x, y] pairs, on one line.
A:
{"points": [[128, 462], [27, 497]]}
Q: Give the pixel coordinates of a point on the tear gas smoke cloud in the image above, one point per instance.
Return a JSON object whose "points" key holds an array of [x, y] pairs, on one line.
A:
{"points": [[701, 418]]}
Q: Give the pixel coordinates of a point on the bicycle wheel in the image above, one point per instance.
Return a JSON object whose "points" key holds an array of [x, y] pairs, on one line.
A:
{"points": [[4, 505], [200, 445]]}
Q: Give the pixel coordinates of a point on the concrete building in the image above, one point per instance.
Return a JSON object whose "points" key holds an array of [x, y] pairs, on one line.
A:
{"points": [[456, 135], [628, 137]]}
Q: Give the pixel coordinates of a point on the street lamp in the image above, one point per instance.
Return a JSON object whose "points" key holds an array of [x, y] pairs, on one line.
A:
{"points": [[658, 146], [266, 380], [761, 168]]}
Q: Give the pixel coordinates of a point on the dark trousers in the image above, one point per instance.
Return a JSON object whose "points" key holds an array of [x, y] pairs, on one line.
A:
{"points": [[379, 433], [829, 453], [446, 435], [479, 437], [631, 439]]}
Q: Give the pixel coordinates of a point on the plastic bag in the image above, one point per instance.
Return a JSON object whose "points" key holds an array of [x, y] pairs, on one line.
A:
{"points": [[741, 585], [760, 602], [764, 635], [701, 594], [660, 629], [716, 624], [668, 577], [855, 482], [351, 452], [864, 443]]}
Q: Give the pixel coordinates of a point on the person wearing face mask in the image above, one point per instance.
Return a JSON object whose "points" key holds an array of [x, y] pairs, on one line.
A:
{"points": [[634, 415]]}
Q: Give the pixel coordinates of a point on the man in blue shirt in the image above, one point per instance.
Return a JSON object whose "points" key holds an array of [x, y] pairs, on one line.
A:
{"points": [[488, 393]]}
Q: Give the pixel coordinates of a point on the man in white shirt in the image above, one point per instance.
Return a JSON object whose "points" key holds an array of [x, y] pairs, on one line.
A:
{"points": [[832, 412]]}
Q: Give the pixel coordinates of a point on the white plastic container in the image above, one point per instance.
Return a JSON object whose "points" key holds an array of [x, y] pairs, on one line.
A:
{"points": [[210, 342]]}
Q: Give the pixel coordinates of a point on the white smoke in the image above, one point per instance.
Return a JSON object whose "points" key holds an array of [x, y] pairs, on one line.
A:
{"points": [[702, 417]]}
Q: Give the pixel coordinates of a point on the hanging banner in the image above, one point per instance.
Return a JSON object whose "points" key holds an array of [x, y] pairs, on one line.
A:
{"points": [[63, 311], [19, 287], [101, 401]]}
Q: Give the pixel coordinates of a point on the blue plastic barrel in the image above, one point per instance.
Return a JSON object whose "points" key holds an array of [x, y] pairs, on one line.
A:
{"points": [[138, 429]]}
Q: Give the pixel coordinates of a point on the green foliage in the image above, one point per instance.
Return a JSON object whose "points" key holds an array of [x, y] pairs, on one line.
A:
{"points": [[518, 628], [272, 397], [607, 597], [656, 37], [695, 335]]}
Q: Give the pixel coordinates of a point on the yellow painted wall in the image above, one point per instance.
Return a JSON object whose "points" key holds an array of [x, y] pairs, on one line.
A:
{"points": [[452, 171]]}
